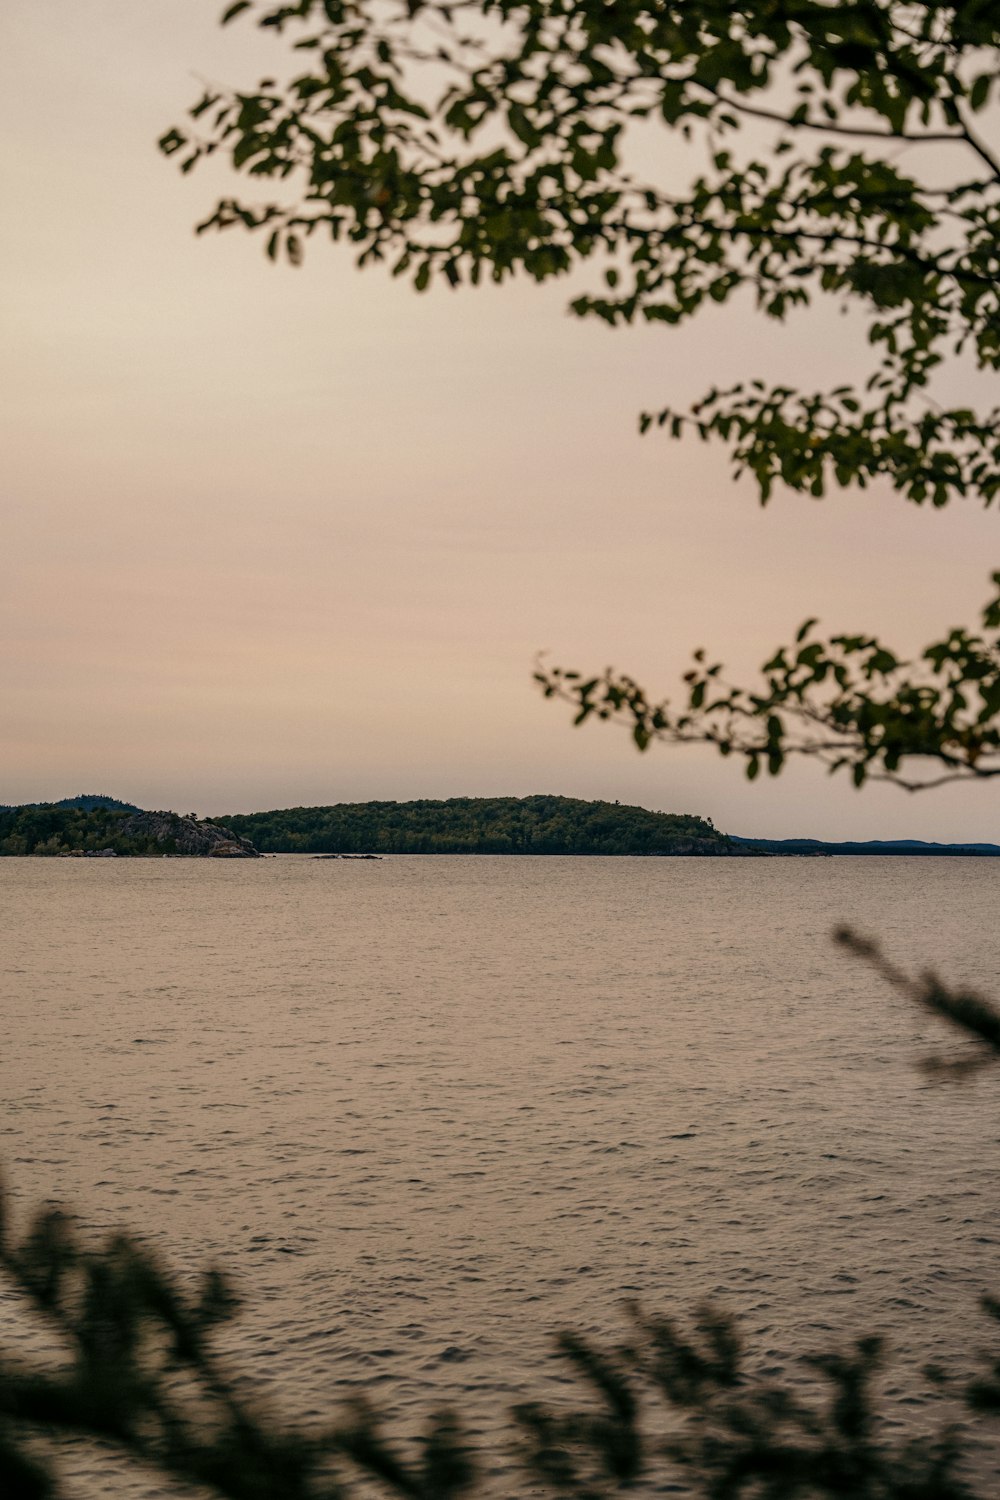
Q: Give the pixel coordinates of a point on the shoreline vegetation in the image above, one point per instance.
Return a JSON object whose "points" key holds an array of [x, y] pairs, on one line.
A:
{"points": [[106, 831], [104, 827]]}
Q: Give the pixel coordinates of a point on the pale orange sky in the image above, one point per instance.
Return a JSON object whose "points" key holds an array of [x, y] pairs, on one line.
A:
{"points": [[277, 537]]}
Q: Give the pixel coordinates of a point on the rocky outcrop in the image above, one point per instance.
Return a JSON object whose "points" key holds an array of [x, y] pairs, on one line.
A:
{"points": [[179, 835]]}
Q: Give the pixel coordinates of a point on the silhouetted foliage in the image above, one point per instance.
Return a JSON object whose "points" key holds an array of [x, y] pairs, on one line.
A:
{"points": [[849, 703], [486, 138]]}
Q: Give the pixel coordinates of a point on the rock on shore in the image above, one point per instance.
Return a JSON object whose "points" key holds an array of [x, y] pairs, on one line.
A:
{"points": [[187, 836]]}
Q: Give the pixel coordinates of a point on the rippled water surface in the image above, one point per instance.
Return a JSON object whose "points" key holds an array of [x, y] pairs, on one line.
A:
{"points": [[428, 1110]]}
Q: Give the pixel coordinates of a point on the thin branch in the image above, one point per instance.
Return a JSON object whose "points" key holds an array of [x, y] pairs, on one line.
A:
{"points": [[967, 773], [830, 128], [977, 145]]}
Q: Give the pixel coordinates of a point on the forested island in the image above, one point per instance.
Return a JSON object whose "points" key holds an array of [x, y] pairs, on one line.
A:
{"points": [[103, 826], [479, 825]]}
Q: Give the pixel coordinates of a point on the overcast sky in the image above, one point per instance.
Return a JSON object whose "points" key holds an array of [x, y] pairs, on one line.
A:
{"points": [[276, 537]]}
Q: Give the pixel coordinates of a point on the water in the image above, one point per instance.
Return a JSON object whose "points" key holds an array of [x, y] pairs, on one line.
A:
{"points": [[426, 1111]]}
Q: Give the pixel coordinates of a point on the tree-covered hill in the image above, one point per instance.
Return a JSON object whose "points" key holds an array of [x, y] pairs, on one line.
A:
{"points": [[57, 829], [87, 801], [478, 825]]}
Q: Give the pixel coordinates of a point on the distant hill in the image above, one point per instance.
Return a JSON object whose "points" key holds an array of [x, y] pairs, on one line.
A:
{"points": [[87, 802], [909, 847], [479, 825], [66, 829]]}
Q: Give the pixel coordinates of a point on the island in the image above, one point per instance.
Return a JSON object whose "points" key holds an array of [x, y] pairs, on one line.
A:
{"points": [[480, 825], [102, 827]]}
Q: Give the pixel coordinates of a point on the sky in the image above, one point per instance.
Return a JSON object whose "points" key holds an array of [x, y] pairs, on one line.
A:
{"points": [[275, 537]]}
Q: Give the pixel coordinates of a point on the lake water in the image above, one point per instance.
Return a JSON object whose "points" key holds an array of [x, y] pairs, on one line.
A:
{"points": [[428, 1110]]}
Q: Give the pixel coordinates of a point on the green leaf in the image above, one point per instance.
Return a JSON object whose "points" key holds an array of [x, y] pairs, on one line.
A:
{"points": [[980, 91]]}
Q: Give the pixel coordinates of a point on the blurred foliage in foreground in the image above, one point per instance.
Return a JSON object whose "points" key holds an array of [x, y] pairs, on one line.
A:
{"points": [[129, 1363]]}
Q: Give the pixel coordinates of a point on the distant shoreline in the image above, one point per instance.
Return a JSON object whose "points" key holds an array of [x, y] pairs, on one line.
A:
{"points": [[94, 827], [946, 853]]}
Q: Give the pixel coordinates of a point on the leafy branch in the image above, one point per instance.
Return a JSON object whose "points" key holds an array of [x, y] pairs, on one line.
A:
{"points": [[492, 138], [848, 702]]}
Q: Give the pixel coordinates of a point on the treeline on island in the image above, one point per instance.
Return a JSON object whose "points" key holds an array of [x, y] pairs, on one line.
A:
{"points": [[460, 825], [479, 825], [86, 801], [112, 829]]}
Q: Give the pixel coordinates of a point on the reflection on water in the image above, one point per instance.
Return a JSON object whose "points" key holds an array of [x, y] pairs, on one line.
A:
{"points": [[427, 1110]]}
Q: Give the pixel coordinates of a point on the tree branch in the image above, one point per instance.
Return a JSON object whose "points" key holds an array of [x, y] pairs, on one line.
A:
{"points": [[830, 127]]}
